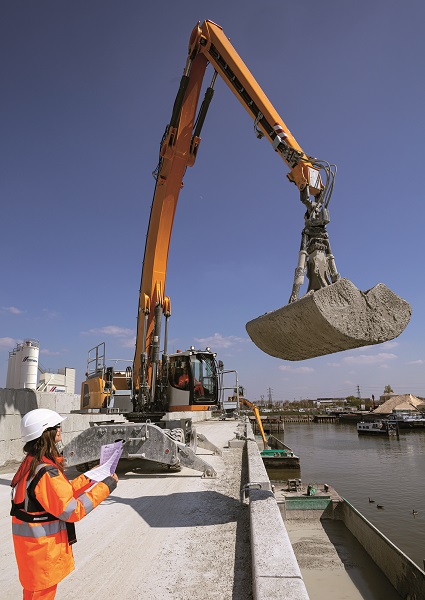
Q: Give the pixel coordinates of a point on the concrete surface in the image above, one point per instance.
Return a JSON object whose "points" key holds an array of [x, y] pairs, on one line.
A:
{"points": [[276, 573], [174, 535], [336, 318], [160, 535]]}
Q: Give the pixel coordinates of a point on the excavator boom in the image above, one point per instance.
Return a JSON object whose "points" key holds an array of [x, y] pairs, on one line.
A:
{"points": [[331, 317], [316, 324]]}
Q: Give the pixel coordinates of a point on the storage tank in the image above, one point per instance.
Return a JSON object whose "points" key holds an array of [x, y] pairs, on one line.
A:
{"points": [[17, 367], [29, 364], [10, 370]]}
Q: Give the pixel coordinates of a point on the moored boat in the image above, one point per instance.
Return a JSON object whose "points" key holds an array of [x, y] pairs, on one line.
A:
{"points": [[279, 455], [280, 459], [408, 421], [378, 427]]}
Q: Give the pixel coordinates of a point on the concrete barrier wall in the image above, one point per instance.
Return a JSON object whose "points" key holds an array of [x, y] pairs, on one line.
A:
{"points": [[406, 577], [275, 570], [14, 404]]}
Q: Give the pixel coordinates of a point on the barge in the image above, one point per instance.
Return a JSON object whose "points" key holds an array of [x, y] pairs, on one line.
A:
{"points": [[278, 455], [382, 428], [340, 553]]}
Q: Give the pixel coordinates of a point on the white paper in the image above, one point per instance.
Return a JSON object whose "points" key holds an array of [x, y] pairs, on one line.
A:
{"points": [[109, 457], [107, 451]]}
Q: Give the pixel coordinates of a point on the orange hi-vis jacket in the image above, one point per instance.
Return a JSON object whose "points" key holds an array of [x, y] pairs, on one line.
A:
{"points": [[43, 552]]}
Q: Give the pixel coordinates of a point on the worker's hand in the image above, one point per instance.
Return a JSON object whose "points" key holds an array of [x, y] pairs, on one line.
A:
{"points": [[114, 476]]}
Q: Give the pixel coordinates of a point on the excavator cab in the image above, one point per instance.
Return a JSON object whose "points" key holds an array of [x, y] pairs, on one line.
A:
{"points": [[192, 380]]}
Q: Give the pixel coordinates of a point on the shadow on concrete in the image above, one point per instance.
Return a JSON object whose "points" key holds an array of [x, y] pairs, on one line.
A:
{"points": [[200, 509], [150, 468], [243, 562], [12, 401], [139, 469], [5, 481], [183, 509], [365, 575]]}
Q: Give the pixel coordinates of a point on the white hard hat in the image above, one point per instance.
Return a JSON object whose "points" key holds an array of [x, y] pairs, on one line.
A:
{"points": [[38, 420]]}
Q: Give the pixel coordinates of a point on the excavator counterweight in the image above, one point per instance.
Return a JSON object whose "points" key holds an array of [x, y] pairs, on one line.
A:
{"points": [[335, 318]]}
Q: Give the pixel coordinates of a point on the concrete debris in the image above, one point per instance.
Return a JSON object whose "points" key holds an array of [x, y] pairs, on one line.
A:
{"points": [[335, 318]]}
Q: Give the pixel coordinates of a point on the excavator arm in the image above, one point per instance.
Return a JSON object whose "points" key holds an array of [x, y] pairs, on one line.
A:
{"points": [[257, 416], [210, 41], [310, 328], [178, 150]]}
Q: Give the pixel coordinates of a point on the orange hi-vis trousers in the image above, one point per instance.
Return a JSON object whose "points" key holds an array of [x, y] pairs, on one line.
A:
{"points": [[47, 594]]}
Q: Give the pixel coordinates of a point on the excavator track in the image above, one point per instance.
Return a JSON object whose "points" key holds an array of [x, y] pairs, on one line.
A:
{"points": [[335, 318]]}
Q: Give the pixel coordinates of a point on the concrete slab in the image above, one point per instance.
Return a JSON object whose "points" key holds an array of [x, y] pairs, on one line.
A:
{"points": [[336, 318], [276, 573], [160, 535]]}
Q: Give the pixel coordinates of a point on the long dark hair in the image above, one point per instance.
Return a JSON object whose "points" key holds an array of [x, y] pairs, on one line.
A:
{"points": [[44, 446]]}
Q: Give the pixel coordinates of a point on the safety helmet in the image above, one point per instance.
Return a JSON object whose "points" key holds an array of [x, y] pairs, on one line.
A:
{"points": [[38, 420]]}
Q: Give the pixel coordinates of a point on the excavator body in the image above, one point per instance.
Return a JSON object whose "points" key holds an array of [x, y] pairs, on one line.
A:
{"points": [[331, 317]]}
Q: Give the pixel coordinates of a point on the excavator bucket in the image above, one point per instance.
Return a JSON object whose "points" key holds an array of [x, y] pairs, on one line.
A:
{"points": [[332, 319]]}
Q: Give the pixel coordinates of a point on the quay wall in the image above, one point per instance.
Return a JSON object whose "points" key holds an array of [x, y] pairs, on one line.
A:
{"points": [[403, 573], [275, 570], [14, 404]]}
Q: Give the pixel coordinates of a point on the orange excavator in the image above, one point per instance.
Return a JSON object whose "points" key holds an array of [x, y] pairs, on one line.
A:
{"points": [[332, 316]]}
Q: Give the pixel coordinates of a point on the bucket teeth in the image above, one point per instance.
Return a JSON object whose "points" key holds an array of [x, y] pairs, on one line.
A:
{"points": [[335, 318]]}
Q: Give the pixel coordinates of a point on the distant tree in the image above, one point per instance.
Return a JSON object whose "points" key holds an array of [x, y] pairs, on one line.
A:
{"points": [[353, 401], [388, 390]]}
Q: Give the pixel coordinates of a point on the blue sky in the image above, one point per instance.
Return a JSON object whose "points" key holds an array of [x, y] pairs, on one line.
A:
{"points": [[88, 88]]}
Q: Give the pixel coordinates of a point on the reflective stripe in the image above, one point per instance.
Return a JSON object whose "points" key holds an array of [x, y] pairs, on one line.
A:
{"points": [[36, 531], [86, 502], [72, 505], [50, 469]]}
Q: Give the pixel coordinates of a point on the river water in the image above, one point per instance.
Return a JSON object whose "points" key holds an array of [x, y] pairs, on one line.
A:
{"points": [[389, 471]]}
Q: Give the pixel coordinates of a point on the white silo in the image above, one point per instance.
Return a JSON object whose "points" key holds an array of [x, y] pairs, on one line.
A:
{"points": [[10, 370], [17, 367], [29, 364]]}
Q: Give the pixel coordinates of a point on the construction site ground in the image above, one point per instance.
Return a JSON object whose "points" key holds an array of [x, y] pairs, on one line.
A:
{"points": [[164, 535], [161, 534]]}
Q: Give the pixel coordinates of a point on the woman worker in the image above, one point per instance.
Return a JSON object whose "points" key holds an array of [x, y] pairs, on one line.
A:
{"points": [[45, 506]]}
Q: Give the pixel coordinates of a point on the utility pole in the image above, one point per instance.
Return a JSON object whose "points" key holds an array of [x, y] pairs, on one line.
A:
{"points": [[270, 397]]}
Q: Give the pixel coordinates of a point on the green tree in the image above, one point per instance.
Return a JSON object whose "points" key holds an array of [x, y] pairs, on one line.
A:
{"points": [[388, 390]]}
